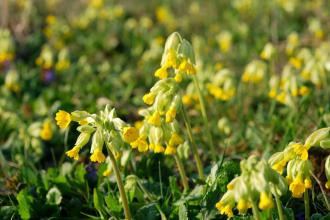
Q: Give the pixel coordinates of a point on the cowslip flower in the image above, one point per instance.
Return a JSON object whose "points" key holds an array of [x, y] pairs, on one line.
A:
{"points": [[97, 156], [149, 98], [266, 202], [46, 132], [130, 134], [63, 119], [155, 119]]}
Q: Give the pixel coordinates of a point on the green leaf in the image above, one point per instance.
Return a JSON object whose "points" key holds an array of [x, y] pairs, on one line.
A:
{"points": [[24, 204], [98, 201], [80, 174], [183, 213], [113, 203], [54, 196], [6, 212]]}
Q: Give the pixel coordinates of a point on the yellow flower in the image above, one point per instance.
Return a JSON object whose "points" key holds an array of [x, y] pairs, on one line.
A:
{"points": [[265, 202], [83, 122], [46, 133], [175, 139], [170, 150], [161, 73], [230, 186], [107, 172], [73, 153], [178, 77], [186, 100], [149, 98], [224, 209], [297, 187], [304, 90], [130, 134], [242, 206], [308, 183], [159, 148], [171, 59], [187, 67], [296, 62], [327, 184], [63, 119], [141, 144], [154, 119], [170, 115], [97, 156], [279, 166], [301, 151]]}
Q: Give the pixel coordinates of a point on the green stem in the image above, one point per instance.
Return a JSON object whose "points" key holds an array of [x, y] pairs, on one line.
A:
{"points": [[306, 202], [182, 173], [279, 208], [120, 185], [322, 190], [205, 119], [255, 210], [193, 144]]}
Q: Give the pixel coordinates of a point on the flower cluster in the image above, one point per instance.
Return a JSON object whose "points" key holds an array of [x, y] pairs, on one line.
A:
{"points": [[284, 89], [222, 85], [160, 126], [178, 58], [295, 159], [103, 128], [254, 72], [257, 182]]}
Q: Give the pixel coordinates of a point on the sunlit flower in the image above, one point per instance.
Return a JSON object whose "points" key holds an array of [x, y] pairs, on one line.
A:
{"points": [[130, 134], [63, 119], [297, 187], [266, 201], [97, 156], [46, 132], [73, 153]]}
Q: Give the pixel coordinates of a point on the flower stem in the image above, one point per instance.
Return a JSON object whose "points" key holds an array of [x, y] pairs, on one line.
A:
{"points": [[193, 144], [306, 202], [205, 119], [279, 207], [255, 210], [182, 172], [120, 184]]}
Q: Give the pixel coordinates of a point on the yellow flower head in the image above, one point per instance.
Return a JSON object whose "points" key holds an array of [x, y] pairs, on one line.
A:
{"points": [[297, 187], [225, 209], [149, 98], [170, 150], [279, 167], [73, 153], [242, 206], [46, 133], [187, 67], [175, 139], [171, 59], [130, 134], [304, 90], [301, 151], [154, 119], [107, 172], [308, 183], [159, 148], [178, 77], [141, 144], [97, 156], [161, 73], [266, 201], [63, 119], [170, 115]]}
